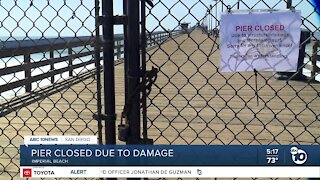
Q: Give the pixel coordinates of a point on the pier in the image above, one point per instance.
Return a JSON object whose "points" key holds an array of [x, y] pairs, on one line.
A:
{"points": [[190, 103]]}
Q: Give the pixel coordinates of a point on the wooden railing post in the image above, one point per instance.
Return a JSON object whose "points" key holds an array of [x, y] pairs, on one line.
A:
{"points": [[149, 40], [70, 61], [52, 66], [27, 72], [118, 46], [314, 59]]}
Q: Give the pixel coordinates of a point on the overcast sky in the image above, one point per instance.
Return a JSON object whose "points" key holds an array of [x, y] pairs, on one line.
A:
{"points": [[76, 17]]}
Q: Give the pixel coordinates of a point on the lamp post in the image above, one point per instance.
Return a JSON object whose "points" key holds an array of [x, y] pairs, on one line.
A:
{"points": [[216, 13], [210, 18], [222, 5], [289, 4]]}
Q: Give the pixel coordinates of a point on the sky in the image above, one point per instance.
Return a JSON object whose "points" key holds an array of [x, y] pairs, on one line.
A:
{"points": [[51, 18]]}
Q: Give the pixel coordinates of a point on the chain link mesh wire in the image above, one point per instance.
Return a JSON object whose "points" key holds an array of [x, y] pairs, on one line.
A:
{"points": [[48, 83], [192, 102], [45, 92]]}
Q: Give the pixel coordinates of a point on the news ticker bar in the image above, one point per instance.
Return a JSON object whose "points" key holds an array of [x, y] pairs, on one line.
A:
{"points": [[166, 172], [169, 155]]}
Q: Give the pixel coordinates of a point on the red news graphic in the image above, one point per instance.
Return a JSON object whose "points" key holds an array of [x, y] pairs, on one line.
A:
{"points": [[27, 172]]}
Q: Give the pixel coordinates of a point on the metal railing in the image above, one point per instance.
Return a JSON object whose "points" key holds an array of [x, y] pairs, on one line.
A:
{"points": [[153, 40]]}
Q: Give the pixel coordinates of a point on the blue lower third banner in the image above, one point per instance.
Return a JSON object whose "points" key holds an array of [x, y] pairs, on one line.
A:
{"points": [[169, 155]]}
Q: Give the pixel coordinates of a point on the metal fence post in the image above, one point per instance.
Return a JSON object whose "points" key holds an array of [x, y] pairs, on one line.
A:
{"points": [[125, 54], [108, 64], [97, 51], [133, 60], [143, 68]]}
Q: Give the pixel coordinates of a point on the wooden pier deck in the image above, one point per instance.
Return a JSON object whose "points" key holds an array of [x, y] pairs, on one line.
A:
{"points": [[191, 103], [194, 103]]}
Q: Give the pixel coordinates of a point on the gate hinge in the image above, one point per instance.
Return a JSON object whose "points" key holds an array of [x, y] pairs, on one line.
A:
{"points": [[116, 20], [112, 117]]}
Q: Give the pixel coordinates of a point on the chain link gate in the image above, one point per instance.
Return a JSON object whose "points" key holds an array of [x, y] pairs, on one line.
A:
{"points": [[49, 74], [193, 103], [50, 78]]}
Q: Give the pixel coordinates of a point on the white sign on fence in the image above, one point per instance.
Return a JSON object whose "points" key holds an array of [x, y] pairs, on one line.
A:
{"points": [[265, 41]]}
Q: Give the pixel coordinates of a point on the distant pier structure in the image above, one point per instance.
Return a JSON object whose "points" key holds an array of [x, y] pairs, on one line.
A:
{"points": [[184, 27]]}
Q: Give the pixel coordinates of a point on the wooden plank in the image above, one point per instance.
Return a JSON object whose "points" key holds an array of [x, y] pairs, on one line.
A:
{"points": [[192, 91]]}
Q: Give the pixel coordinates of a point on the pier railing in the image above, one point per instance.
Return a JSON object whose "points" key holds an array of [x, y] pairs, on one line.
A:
{"points": [[30, 47], [68, 52], [154, 39]]}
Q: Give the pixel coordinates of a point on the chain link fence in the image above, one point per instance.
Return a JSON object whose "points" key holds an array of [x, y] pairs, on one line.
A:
{"points": [[48, 76], [50, 65], [193, 102]]}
